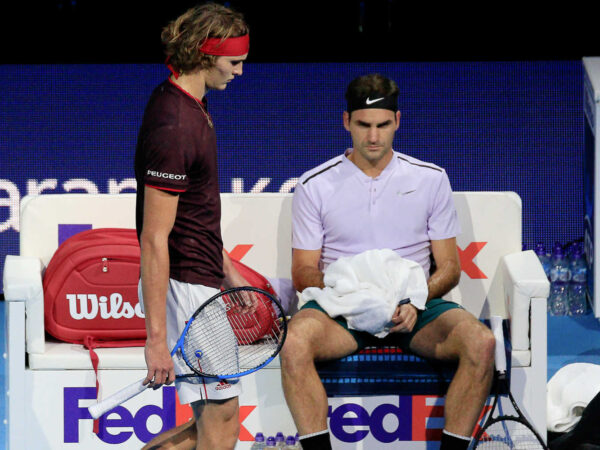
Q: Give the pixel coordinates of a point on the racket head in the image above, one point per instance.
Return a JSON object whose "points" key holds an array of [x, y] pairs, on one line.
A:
{"points": [[505, 431], [508, 432], [233, 333]]}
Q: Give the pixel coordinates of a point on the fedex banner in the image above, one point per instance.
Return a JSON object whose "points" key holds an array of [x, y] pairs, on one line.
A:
{"points": [[372, 421], [60, 419]]}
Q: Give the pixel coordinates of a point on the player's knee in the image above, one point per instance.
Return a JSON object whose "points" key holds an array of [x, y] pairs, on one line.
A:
{"points": [[296, 349], [218, 423], [479, 344], [485, 344]]}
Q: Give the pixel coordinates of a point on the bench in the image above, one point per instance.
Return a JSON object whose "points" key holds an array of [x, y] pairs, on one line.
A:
{"points": [[51, 383]]}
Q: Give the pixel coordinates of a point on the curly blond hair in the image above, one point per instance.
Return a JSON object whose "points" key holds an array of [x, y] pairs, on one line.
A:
{"points": [[183, 36]]}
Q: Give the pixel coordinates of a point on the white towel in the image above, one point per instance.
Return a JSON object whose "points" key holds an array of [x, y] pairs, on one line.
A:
{"points": [[569, 391], [365, 289]]}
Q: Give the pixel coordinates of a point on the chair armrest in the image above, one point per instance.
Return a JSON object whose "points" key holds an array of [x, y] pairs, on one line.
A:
{"points": [[523, 279], [23, 282]]}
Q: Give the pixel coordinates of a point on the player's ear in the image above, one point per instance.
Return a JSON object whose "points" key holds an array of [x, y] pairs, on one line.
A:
{"points": [[397, 119], [346, 117]]}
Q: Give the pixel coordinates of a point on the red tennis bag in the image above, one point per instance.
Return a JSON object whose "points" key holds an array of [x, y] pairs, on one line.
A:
{"points": [[91, 297], [90, 290]]}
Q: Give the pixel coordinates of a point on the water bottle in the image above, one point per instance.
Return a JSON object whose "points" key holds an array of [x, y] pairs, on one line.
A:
{"points": [[560, 275], [558, 300], [578, 266], [259, 442], [540, 251], [270, 443], [291, 443], [279, 440], [560, 270], [577, 299]]}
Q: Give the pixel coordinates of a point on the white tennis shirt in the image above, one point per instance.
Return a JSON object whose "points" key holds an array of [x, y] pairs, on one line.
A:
{"points": [[341, 211]]}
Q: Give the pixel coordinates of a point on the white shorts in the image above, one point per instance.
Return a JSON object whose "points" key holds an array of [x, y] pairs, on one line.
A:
{"points": [[183, 299]]}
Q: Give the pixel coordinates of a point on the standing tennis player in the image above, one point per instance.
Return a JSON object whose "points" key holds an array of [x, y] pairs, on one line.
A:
{"points": [[391, 201], [179, 212]]}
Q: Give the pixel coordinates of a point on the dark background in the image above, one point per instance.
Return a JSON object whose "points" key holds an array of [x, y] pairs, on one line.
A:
{"points": [[110, 31]]}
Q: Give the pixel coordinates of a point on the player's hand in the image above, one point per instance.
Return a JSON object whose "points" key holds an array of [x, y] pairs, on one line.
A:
{"points": [[160, 364], [242, 302], [404, 319]]}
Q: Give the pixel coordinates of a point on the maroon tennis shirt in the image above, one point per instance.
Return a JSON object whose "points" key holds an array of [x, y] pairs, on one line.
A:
{"points": [[177, 153]]}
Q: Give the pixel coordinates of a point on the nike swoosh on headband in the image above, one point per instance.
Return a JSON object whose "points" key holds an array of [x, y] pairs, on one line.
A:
{"points": [[370, 102]]}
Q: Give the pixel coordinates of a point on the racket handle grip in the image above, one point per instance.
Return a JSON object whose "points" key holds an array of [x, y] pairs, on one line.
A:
{"points": [[117, 398], [500, 353]]}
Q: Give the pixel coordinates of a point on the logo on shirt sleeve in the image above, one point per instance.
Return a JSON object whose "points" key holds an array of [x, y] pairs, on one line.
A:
{"points": [[168, 176]]}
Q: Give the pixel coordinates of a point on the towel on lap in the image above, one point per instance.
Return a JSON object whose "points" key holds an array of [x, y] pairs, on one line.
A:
{"points": [[366, 288]]}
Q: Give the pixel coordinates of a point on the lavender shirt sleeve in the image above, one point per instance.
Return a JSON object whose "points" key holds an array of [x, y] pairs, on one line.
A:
{"points": [[443, 221], [307, 229]]}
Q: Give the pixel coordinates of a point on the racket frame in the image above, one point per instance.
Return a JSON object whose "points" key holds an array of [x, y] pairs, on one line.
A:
{"points": [[100, 408], [502, 385], [198, 373]]}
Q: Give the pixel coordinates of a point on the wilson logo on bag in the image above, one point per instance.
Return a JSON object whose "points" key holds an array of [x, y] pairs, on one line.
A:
{"points": [[90, 288], [89, 306]]}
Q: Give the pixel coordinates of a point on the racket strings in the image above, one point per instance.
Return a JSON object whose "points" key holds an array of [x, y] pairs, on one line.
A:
{"points": [[254, 317], [210, 346], [508, 434], [240, 330]]}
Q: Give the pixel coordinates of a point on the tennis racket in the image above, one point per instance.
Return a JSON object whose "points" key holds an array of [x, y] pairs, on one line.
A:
{"points": [[504, 431], [233, 333]]}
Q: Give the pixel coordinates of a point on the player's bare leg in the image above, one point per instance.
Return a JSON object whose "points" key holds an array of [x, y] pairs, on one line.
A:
{"points": [[217, 424], [312, 335], [180, 437], [456, 334]]}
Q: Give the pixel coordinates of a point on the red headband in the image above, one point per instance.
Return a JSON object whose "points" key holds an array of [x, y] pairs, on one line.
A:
{"points": [[234, 46]]}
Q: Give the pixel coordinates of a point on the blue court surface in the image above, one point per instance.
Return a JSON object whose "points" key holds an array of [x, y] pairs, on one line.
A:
{"points": [[572, 340]]}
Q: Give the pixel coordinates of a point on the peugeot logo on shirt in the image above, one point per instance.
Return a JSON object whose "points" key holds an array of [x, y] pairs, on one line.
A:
{"points": [[170, 176]]}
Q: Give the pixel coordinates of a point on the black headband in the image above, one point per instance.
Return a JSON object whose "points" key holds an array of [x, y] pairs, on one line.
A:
{"points": [[374, 101]]}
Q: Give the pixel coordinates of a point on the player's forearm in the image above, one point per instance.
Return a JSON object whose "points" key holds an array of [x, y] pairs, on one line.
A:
{"points": [[155, 280], [232, 277], [446, 277], [307, 276]]}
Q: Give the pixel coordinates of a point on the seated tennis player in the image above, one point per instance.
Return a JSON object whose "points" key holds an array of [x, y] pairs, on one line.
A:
{"points": [[372, 197]]}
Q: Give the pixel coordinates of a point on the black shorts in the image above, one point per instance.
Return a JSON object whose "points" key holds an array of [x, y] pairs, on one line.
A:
{"points": [[433, 309]]}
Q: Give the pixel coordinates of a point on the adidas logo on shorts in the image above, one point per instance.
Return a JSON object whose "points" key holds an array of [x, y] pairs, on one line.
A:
{"points": [[222, 385]]}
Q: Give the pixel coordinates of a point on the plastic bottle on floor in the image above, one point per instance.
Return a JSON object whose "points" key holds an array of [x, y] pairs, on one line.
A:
{"points": [[279, 440], [560, 275], [577, 299], [560, 270], [540, 251], [259, 442], [558, 299], [291, 443], [270, 445], [578, 266], [577, 287]]}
